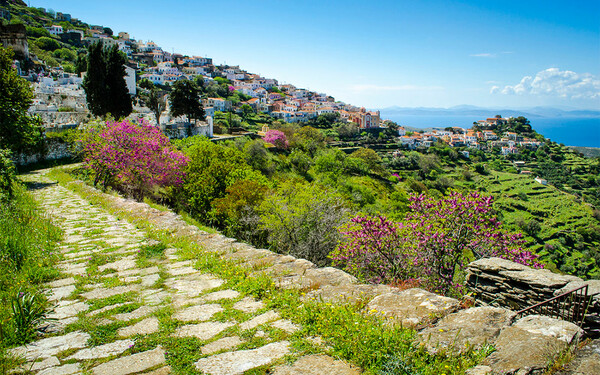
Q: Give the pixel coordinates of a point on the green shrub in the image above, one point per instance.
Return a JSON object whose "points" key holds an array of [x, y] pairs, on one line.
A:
{"points": [[65, 54], [7, 175], [211, 170], [37, 32], [47, 44], [301, 220], [29, 310]]}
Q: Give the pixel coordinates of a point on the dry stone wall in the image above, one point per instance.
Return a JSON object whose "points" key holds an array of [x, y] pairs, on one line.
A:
{"points": [[499, 282], [54, 149]]}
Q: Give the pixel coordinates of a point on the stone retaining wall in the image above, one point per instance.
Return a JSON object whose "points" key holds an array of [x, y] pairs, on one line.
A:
{"points": [[54, 149], [499, 282]]}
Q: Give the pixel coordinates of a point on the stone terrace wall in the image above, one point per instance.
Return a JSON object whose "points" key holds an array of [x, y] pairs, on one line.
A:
{"points": [[499, 282], [54, 149]]}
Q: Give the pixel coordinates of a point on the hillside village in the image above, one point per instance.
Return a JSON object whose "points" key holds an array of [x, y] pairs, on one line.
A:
{"points": [[60, 99]]}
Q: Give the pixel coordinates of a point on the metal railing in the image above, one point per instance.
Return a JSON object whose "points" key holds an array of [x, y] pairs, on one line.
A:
{"points": [[570, 306]]}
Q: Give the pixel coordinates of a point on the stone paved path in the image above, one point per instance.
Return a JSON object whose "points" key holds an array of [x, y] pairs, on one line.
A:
{"points": [[118, 312]]}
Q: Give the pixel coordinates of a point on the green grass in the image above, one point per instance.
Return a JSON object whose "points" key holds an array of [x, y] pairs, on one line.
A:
{"points": [[28, 253]]}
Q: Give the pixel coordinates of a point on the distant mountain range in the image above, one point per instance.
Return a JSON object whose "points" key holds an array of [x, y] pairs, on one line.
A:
{"points": [[482, 112]]}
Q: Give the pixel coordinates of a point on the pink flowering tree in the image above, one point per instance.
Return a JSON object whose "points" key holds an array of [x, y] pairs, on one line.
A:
{"points": [[433, 244], [136, 158], [277, 138]]}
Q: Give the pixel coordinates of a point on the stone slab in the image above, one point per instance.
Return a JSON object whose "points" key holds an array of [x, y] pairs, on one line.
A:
{"points": [[413, 307], [41, 365], [182, 271], [109, 292], [144, 327], [317, 365], [67, 310], [222, 344], [530, 344], [161, 371], [51, 346], [149, 280], [68, 369], [61, 292], [132, 364], [203, 331], [258, 320], [195, 285], [103, 351], [468, 328], [119, 265], [222, 294], [197, 313], [135, 314], [285, 325], [61, 282], [232, 363], [248, 305], [105, 308]]}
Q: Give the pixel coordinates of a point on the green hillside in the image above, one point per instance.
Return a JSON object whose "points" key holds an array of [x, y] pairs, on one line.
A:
{"points": [[558, 226]]}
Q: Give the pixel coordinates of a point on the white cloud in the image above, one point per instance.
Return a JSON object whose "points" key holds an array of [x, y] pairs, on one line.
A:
{"points": [[483, 55], [555, 82], [380, 88]]}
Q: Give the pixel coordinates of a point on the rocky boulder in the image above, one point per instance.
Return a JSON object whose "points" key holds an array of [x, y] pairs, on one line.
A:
{"points": [[529, 345], [468, 328], [414, 307]]}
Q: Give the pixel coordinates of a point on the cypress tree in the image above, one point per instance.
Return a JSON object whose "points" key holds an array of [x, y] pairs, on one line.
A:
{"points": [[104, 84], [119, 98], [95, 90]]}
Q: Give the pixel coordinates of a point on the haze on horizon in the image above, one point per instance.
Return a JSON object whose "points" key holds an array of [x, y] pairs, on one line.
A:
{"points": [[383, 53]]}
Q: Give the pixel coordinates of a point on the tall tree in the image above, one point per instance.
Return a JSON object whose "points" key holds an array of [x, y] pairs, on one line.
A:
{"points": [[18, 131], [156, 102], [185, 100], [119, 98], [95, 90], [104, 84]]}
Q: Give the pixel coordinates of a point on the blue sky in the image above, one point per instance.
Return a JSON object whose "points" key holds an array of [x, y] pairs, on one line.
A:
{"points": [[384, 53]]}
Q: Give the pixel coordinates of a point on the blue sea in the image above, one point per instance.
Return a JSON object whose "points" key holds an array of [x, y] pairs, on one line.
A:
{"points": [[576, 131]]}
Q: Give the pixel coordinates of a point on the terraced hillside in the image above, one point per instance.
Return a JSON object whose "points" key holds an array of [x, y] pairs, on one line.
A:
{"points": [[560, 227]]}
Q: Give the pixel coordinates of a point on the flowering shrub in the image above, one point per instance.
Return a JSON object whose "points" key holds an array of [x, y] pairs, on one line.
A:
{"points": [[133, 157], [276, 138], [436, 240]]}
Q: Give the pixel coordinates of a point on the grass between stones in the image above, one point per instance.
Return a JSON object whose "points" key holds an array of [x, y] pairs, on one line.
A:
{"points": [[370, 341]]}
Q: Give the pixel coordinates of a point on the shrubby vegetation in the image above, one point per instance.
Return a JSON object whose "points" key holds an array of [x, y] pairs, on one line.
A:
{"points": [[431, 246], [137, 159], [19, 131]]}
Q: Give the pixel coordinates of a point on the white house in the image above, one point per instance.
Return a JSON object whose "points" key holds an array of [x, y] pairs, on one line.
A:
{"points": [[218, 104], [157, 79], [55, 29], [324, 110], [130, 80]]}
